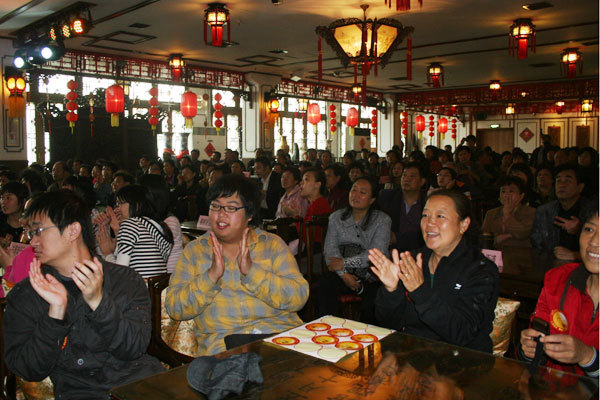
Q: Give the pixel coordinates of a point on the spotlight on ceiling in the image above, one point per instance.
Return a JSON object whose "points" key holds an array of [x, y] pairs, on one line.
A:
{"points": [[52, 51], [20, 60]]}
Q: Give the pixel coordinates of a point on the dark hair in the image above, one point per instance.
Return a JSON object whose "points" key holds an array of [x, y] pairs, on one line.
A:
{"points": [[86, 166], [140, 201], [452, 171], [593, 154], [63, 208], [463, 208], [570, 167], [113, 167], [264, 161], [195, 151], [294, 171], [327, 152], [306, 164], [591, 211], [524, 168], [471, 138], [241, 163], [127, 177], [217, 153], [350, 154], [463, 148], [159, 191], [434, 149], [158, 164], [34, 180], [145, 156], [224, 168], [418, 166], [547, 167], [83, 187], [319, 176], [513, 180], [357, 164], [171, 162], [247, 190], [10, 175], [374, 191], [344, 182], [66, 168], [18, 189]]}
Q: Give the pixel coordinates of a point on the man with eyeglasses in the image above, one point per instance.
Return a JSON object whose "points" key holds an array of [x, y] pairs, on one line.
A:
{"points": [[235, 279], [83, 322]]}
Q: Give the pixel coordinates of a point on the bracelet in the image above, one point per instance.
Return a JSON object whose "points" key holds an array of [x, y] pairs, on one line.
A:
{"points": [[341, 272]]}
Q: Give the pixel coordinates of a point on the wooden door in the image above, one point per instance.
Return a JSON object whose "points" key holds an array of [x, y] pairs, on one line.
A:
{"points": [[582, 136], [499, 140], [554, 133]]}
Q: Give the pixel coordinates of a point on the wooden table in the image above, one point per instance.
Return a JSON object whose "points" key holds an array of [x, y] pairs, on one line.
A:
{"points": [[523, 271], [191, 228], [399, 367]]}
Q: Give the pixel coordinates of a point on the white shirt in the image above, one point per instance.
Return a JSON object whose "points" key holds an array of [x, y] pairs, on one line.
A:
{"points": [[265, 183]]}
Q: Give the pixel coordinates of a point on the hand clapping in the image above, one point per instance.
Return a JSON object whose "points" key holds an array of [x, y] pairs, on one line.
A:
{"points": [[49, 289], [88, 276], [403, 268], [217, 268], [244, 260]]}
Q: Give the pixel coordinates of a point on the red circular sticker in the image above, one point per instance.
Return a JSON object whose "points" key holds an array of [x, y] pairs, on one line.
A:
{"points": [[364, 338], [325, 339], [343, 332], [349, 345], [286, 340], [318, 326]]}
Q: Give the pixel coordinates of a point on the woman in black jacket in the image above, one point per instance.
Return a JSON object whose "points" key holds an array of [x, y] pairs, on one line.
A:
{"points": [[445, 291]]}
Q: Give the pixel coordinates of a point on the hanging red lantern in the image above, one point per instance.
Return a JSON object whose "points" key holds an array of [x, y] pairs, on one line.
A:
{"points": [[16, 100], [153, 110], [216, 16], [218, 113], [352, 119], [332, 121], [560, 107], [443, 127], [115, 103], [453, 128], [419, 124], [374, 122], [71, 105], [435, 75], [570, 58], [189, 107], [521, 35], [177, 66], [313, 114]]}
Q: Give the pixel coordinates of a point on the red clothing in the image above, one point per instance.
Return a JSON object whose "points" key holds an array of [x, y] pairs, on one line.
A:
{"points": [[577, 307], [318, 207], [338, 198]]}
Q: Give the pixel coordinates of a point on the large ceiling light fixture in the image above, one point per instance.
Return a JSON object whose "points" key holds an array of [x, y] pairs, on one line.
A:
{"points": [[435, 75], [521, 36], [366, 42], [401, 5], [216, 16], [570, 59]]}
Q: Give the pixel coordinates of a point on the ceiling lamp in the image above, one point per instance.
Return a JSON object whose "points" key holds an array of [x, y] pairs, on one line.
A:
{"points": [[80, 26], [302, 105], [20, 60], [570, 58], [177, 66], [560, 106], [401, 5], [216, 16], [357, 90], [510, 109], [15, 83], [435, 71], [495, 85], [521, 35], [587, 106], [363, 42]]}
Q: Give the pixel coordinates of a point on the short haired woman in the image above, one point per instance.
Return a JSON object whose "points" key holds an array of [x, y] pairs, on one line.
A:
{"points": [[292, 204], [510, 223], [313, 188], [447, 290], [396, 168], [352, 231]]}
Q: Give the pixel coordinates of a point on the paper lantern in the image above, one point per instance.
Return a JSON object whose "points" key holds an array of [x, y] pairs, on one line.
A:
{"points": [[216, 16], [352, 119], [332, 121], [153, 110], [115, 103], [71, 105], [521, 35], [177, 66], [435, 75], [313, 114], [218, 114], [189, 107]]}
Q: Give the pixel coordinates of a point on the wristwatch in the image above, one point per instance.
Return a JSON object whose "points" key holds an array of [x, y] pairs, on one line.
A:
{"points": [[341, 272]]}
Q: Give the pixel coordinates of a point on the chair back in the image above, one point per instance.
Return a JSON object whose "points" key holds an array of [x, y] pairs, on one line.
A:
{"points": [[158, 347], [8, 384], [285, 228], [315, 232], [504, 325]]}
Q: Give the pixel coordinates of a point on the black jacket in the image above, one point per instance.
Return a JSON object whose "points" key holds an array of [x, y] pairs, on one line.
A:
{"points": [[459, 309], [274, 193], [89, 352]]}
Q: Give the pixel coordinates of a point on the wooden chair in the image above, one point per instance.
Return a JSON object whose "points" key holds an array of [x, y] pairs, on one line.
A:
{"points": [[285, 228], [158, 347], [318, 223], [8, 382]]}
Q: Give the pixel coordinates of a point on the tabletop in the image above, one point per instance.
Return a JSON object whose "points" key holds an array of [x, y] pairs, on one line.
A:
{"points": [[399, 367], [191, 227]]}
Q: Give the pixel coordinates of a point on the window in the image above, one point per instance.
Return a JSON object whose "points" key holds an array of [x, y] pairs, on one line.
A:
{"points": [[91, 84], [140, 90], [57, 84], [233, 136], [170, 93], [30, 134]]}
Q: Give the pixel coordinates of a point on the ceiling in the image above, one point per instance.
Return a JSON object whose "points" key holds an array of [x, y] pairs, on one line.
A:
{"points": [[469, 37]]}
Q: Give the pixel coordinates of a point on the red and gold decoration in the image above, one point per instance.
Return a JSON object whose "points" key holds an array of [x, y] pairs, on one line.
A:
{"points": [[495, 85], [401, 5], [332, 120], [313, 114], [302, 105], [587, 106], [153, 110], [435, 75], [374, 122], [404, 118], [16, 101], [431, 126], [115, 103], [526, 135], [273, 105], [218, 113], [510, 109], [365, 42], [71, 104], [560, 106], [216, 16], [189, 107], [352, 119], [419, 125], [571, 60], [453, 128], [521, 36], [177, 66], [443, 126]]}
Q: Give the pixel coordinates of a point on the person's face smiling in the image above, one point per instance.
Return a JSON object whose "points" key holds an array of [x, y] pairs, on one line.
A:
{"points": [[588, 245], [228, 227]]}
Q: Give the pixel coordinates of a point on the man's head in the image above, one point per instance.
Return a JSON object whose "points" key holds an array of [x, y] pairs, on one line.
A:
{"points": [[311, 155], [60, 171], [326, 157], [214, 175], [76, 165], [561, 157], [108, 169], [333, 175], [568, 183], [464, 154], [262, 167], [364, 153], [216, 157], [413, 178], [121, 178], [237, 167], [144, 162], [471, 141], [188, 173], [195, 154], [227, 155], [59, 223]]}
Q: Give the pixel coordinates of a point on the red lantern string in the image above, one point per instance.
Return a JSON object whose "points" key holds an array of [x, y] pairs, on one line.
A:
{"points": [[71, 104], [453, 128], [218, 113], [404, 116], [153, 110], [374, 122], [409, 58], [332, 121]]}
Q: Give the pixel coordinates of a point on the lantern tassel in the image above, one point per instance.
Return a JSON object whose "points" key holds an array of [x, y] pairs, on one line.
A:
{"points": [[409, 58], [522, 50], [205, 25], [114, 120], [352, 128], [320, 60], [189, 123]]}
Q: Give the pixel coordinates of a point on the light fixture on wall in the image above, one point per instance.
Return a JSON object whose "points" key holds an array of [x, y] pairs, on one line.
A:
{"points": [[495, 85], [510, 109], [587, 105], [560, 106]]}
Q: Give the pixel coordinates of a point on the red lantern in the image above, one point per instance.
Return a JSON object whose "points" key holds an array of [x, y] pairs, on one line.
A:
{"points": [[404, 117], [313, 114], [71, 104], [570, 58], [352, 119], [332, 121], [560, 107], [435, 71], [443, 125], [274, 105], [115, 103], [419, 123], [189, 107], [153, 110], [520, 32], [218, 113], [216, 16]]}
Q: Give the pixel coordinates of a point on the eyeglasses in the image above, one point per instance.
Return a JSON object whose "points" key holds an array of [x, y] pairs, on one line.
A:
{"points": [[38, 231], [228, 209]]}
